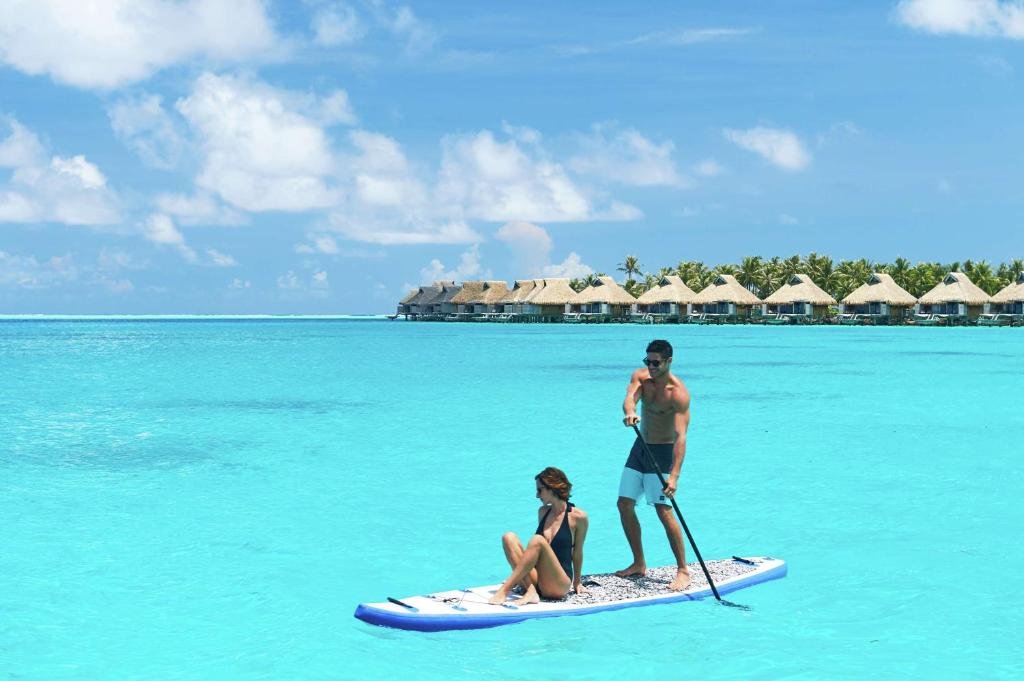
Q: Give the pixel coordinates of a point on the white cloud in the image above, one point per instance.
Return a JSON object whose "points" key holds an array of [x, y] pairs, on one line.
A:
{"points": [[336, 108], [21, 147], [118, 286], [114, 260], [419, 37], [198, 209], [160, 229], [68, 190], [708, 168], [221, 259], [627, 157], [572, 267], [337, 24], [500, 181], [115, 42], [145, 127], [406, 232], [531, 247], [239, 284], [289, 281], [787, 219], [382, 175], [986, 18], [468, 268], [781, 148], [292, 286], [27, 272], [260, 152], [79, 171], [691, 36]]}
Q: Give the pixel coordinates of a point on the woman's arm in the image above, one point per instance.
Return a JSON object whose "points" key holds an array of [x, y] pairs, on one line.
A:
{"points": [[582, 523]]}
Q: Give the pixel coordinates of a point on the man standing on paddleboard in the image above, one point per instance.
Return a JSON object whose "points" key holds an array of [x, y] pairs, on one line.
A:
{"points": [[665, 410]]}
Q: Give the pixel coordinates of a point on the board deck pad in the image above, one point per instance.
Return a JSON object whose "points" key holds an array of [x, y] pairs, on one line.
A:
{"points": [[469, 609]]}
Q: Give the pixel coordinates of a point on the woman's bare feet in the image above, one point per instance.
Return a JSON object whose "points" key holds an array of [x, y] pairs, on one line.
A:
{"points": [[636, 569], [531, 596], [499, 597], [681, 581]]}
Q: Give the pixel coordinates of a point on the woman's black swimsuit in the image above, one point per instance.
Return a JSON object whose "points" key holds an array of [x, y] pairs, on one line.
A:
{"points": [[561, 543]]}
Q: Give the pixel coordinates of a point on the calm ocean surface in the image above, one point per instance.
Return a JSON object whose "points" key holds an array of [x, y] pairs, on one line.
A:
{"points": [[211, 499]]}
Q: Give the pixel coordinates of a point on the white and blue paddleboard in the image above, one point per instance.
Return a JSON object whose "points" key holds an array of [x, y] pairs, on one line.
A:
{"points": [[469, 609]]}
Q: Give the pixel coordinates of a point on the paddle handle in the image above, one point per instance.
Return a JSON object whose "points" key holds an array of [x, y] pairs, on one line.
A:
{"points": [[679, 514]]}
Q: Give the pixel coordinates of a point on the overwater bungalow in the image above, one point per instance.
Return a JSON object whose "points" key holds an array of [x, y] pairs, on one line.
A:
{"points": [[668, 300], [1010, 299], [443, 303], [515, 300], [550, 301], [955, 299], [493, 298], [879, 299], [468, 299], [724, 299], [603, 300], [420, 305], [405, 304], [799, 299]]}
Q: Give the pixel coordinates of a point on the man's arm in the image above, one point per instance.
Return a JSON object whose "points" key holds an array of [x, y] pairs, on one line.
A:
{"points": [[633, 392], [682, 422]]}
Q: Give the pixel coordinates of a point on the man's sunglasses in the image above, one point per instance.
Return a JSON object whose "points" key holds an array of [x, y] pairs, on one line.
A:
{"points": [[655, 363]]}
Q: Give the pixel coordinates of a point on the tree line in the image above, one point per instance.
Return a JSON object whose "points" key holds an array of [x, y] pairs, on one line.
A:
{"points": [[762, 276]]}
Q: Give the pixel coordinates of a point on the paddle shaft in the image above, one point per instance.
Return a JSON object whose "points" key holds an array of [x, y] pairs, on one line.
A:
{"points": [[679, 514]]}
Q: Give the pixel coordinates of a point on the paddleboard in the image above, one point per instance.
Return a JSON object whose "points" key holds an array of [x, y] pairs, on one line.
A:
{"points": [[469, 609]]}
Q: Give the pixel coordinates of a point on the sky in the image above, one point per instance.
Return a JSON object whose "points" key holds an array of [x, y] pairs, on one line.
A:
{"points": [[324, 157]]}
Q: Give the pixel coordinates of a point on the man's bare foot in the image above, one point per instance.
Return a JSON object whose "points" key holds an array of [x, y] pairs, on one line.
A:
{"points": [[499, 597], [636, 569], [531, 596], [681, 581]]}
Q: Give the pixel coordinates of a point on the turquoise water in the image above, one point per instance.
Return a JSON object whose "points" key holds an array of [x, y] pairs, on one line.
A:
{"points": [[211, 499]]}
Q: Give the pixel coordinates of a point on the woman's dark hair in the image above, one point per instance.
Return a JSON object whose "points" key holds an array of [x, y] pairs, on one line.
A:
{"points": [[554, 479]]}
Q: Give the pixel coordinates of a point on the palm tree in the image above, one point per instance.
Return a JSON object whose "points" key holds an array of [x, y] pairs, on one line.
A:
{"points": [[821, 271], [751, 274], [899, 270], [772, 277], [693, 273], [630, 266], [849, 275], [790, 266]]}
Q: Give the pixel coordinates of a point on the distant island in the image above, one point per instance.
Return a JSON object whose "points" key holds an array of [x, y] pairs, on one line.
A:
{"points": [[811, 289]]}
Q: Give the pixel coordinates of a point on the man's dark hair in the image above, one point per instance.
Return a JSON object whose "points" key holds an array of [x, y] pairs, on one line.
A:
{"points": [[662, 347]]}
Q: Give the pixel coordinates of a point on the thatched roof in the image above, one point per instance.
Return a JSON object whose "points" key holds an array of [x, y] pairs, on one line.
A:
{"points": [[521, 289], [725, 289], [554, 292], [880, 288], [1012, 292], [428, 293], [957, 287], [605, 290], [472, 292], [538, 286], [449, 291], [407, 298], [800, 289], [494, 292], [670, 289]]}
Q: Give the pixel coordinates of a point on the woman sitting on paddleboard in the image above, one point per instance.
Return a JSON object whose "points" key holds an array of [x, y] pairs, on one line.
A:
{"points": [[552, 562]]}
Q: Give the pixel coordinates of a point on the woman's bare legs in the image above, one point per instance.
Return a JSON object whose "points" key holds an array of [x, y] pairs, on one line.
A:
{"points": [[513, 554], [537, 559]]}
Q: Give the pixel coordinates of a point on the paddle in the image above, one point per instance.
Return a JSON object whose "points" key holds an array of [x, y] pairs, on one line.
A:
{"points": [[679, 514]]}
